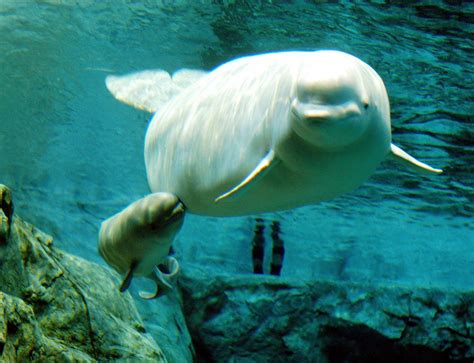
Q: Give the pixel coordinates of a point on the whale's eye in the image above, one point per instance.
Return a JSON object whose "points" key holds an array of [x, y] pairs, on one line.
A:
{"points": [[366, 105]]}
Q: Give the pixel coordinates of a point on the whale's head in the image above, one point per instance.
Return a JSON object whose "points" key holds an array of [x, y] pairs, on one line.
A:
{"points": [[137, 241], [338, 98], [142, 233]]}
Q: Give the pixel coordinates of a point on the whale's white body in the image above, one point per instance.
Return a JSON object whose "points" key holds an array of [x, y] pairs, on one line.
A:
{"points": [[215, 132]]}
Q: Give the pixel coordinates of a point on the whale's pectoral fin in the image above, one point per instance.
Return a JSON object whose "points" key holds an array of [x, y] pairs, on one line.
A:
{"points": [[267, 163], [409, 160], [164, 277], [128, 277]]}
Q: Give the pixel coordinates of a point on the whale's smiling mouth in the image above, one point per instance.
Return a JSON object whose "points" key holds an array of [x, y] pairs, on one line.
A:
{"points": [[329, 125], [174, 215], [319, 113]]}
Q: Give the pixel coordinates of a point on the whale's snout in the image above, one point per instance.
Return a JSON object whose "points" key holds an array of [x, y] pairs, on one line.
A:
{"points": [[329, 125], [167, 212]]}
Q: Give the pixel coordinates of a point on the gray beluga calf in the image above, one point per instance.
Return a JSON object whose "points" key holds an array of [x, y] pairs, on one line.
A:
{"points": [[136, 241], [263, 133]]}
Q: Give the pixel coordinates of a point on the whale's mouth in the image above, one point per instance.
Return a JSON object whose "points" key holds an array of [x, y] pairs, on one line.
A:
{"points": [[329, 126], [175, 215], [319, 113]]}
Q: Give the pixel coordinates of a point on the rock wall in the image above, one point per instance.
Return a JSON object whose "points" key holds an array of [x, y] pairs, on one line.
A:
{"points": [[165, 322], [267, 319], [58, 307]]}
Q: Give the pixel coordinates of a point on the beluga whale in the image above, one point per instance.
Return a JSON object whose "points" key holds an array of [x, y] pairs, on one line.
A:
{"points": [[137, 241], [258, 134]]}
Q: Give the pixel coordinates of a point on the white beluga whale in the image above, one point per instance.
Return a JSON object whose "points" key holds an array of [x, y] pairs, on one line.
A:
{"points": [[137, 241], [263, 133]]}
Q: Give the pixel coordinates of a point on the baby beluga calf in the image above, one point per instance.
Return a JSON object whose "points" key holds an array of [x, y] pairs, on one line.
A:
{"points": [[261, 133], [137, 241]]}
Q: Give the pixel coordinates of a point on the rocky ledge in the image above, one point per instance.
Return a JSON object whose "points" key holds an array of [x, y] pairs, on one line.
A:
{"points": [[267, 319], [58, 307]]}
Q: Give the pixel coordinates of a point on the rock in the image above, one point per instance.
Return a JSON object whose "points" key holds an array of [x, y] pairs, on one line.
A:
{"points": [[58, 307], [165, 321], [22, 340], [6, 213], [252, 318], [55, 306]]}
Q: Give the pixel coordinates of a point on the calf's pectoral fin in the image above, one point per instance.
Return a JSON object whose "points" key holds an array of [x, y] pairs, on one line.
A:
{"points": [[164, 280], [401, 156], [128, 277], [267, 163]]}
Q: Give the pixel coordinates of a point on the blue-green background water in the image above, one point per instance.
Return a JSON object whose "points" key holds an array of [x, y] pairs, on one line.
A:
{"points": [[73, 155]]}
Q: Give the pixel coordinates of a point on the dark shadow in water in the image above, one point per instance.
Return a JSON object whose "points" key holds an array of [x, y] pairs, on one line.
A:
{"points": [[361, 344]]}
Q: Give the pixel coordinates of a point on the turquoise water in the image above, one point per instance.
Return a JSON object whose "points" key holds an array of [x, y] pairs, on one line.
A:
{"points": [[73, 155]]}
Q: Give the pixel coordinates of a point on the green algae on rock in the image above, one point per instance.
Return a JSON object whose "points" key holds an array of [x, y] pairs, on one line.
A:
{"points": [[55, 306]]}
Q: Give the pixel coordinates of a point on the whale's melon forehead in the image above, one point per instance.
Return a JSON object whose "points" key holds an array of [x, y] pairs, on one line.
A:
{"points": [[330, 80], [328, 90]]}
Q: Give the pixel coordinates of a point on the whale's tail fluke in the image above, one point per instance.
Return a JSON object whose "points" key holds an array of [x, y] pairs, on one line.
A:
{"points": [[151, 89]]}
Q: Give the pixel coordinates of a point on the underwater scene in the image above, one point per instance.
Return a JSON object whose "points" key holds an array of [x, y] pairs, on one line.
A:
{"points": [[383, 272]]}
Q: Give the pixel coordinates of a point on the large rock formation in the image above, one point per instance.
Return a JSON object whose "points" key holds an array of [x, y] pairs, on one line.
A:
{"points": [[58, 307], [165, 322], [267, 319]]}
